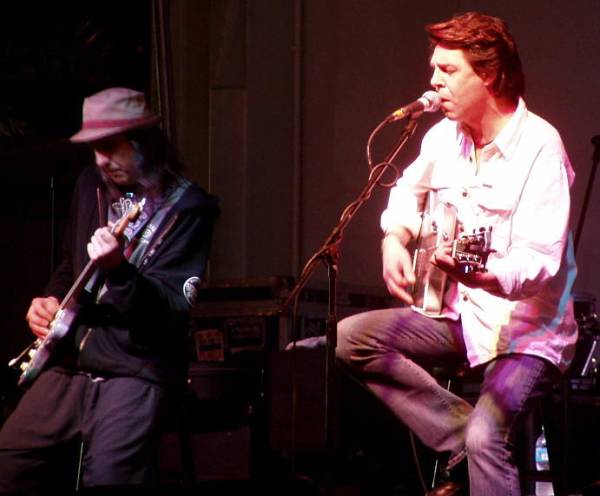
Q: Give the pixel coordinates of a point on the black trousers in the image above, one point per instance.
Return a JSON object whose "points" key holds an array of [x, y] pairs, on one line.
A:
{"points": [[116, 421]]}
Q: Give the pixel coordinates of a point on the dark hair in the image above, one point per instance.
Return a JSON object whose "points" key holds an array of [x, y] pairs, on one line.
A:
{"points": [[488, 46], [160, 166]]}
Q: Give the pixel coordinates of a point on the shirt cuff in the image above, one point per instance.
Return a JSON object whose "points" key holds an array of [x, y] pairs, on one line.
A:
{"points": [[507, 283]]}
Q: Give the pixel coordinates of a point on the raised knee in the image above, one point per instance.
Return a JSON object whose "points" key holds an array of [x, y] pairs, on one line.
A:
{"points": [[356, 342], [343, 350], [479, 437]]}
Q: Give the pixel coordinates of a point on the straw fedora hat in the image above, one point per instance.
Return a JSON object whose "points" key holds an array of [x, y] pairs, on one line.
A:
{"points": [[113, 111]]}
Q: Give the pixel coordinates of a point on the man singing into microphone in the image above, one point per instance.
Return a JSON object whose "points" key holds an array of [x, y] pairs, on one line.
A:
{"points": [[495, 164]]}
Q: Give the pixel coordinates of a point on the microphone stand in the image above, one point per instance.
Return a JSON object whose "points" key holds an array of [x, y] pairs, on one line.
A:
{"points": [[329, 254], [588, 191]]}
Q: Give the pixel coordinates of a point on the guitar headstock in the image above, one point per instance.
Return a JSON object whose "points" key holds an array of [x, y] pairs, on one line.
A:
{"points": [[136, 210], [471, 251], [130, 216]]}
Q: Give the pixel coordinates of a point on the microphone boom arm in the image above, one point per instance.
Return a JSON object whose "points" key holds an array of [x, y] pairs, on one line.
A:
{"points": [[329, 253], [330, 248], [588, 191]]}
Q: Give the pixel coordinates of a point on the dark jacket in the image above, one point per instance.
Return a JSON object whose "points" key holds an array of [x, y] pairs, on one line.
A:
{"points": [[140, 325]]}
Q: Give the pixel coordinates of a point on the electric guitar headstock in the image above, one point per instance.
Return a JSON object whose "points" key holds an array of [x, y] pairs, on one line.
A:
{"points": [[130, 215]]}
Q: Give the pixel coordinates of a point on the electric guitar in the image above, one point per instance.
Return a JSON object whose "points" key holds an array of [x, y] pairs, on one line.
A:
{"points": [[34, 359], [439, 224]]}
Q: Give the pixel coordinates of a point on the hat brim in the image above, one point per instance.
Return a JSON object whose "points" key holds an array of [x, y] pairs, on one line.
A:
{"points": [[97, 134]]}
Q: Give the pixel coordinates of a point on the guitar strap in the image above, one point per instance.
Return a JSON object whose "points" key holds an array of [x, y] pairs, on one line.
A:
{"points": [[143, 238], [141, 242]]}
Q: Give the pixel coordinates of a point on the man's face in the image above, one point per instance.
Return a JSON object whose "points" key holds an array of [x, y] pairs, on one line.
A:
{"points": [[464, 93], [118, 160]]}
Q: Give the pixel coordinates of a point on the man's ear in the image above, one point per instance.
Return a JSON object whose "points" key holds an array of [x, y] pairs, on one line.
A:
{"points": [[489, 78]]}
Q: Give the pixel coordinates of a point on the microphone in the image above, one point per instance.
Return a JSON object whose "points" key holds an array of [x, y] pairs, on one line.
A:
{"points": [[429, 102]]}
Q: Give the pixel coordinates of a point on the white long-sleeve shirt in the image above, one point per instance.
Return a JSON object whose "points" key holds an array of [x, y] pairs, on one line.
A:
{"points": [[521, 189]]}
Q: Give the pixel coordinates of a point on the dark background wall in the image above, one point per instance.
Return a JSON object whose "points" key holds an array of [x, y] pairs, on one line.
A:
{"points": [[270, 103], [294, 89]]}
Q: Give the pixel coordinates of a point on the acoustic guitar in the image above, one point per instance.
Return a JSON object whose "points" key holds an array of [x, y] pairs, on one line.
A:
{"points": [[439, 224]]}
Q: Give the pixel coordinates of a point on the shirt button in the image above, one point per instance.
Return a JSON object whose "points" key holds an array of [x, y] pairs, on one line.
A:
{"points": [[465, 297], [464, 193]]}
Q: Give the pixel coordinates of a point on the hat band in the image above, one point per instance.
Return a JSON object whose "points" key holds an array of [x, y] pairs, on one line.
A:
{"points": [[113, 123]]}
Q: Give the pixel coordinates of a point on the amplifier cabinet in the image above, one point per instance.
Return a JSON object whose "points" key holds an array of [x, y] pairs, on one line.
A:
{"points": [[234, 318]]}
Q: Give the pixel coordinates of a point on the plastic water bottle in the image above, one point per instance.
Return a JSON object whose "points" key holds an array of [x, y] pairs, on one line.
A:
{"points": [[542, 462]]}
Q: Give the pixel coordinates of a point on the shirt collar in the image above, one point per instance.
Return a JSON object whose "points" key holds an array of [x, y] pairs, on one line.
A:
{"points": [[508, 138]]}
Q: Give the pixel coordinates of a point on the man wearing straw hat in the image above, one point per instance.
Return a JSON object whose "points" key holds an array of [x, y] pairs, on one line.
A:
{"points": [[104, 389]]}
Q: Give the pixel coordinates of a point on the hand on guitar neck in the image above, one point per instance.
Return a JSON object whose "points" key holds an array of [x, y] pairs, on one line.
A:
{"points": [[105, 247], [444, 259], [104, 250]]}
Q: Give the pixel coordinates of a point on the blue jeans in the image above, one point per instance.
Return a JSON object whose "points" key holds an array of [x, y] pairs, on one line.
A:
{"points": [[391, 351]]}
